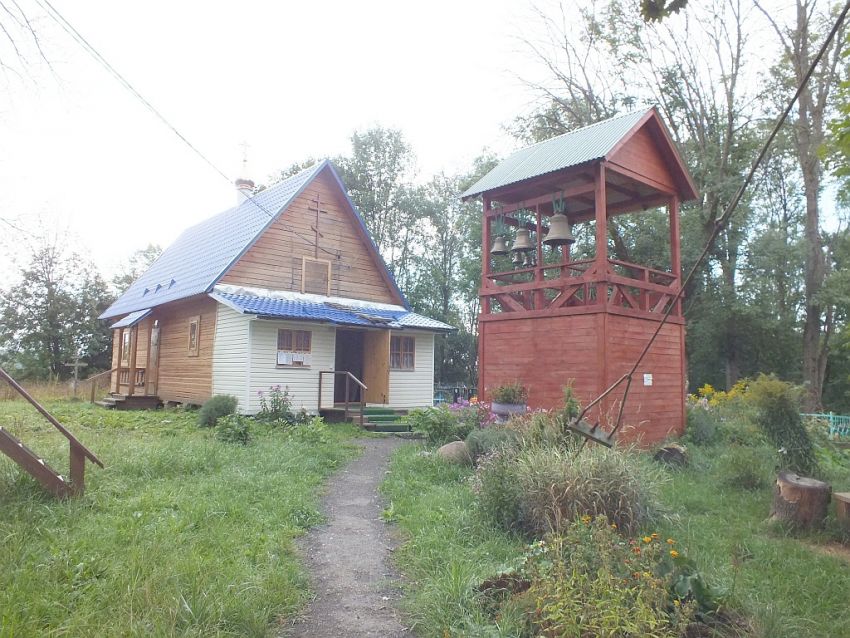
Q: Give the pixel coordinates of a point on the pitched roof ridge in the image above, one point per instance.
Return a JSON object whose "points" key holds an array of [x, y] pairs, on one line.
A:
{"points": [[587, 126]]}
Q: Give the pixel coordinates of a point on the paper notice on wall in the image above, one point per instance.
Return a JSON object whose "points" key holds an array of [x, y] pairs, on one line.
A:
{"points": [[647, 378]]}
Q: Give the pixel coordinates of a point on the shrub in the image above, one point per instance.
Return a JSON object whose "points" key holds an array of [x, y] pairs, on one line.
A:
{"points": [[443, 424], [748, 468], [702, 427], [778, 415], [541, 428], [234, 429], [513, 393], [313, 430], [276, 405], [552, 487], [497, 488], [484, 440], [215, 408], [589, 582]]}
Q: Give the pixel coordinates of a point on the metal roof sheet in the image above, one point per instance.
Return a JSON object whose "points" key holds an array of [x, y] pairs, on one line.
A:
{"points": [[202, 253], [132, 319], [307, 308], [570, 149]]}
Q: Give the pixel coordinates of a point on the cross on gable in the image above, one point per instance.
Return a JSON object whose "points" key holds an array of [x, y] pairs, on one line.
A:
{"points": [[316, 207]]}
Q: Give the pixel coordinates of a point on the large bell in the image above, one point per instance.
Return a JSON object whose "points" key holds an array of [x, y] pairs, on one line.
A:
{"points": [[522, 243], [559, 231], [500, 246]]}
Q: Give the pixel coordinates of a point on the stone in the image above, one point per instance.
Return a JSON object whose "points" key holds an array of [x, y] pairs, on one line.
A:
{"points": [[456, 452], [672, 454]]}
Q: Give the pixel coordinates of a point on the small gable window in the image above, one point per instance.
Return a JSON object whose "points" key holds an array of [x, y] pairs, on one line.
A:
{"points": [[315, 276], [194, 335], [294, 347], [402, 353]]}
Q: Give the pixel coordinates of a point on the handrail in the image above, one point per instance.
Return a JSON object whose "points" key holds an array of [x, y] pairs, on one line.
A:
{"points": [[348, 378], [71, 438], [93, 380]]}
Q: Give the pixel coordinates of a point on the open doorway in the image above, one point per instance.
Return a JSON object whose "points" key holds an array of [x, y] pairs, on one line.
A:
{"points": [[348, 357]]}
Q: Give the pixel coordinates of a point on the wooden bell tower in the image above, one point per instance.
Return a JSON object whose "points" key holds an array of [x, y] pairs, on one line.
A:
{"points": [[548, 319]]}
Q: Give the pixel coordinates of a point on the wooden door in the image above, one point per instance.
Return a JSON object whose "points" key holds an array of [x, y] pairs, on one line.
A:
{"points": [[376, 366]]}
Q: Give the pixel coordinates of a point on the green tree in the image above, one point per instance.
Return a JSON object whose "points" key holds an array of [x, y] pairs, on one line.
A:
{"points": [[138, 263], [50, 315]]}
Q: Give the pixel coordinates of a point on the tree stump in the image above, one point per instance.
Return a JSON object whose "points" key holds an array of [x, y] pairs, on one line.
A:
{"points": [[799, 500], [842, 507]]}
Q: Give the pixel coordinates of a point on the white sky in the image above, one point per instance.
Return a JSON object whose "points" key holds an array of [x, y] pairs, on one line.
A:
{"points": [[292, 79]]}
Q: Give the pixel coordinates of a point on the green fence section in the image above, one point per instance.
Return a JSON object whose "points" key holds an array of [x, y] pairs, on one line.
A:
{"points": [[839, 425]]}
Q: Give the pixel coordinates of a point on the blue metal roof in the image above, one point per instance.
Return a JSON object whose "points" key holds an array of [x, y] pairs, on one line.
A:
{"points": [[357, 313], [132, 319], [202, 254], [570, 149]]}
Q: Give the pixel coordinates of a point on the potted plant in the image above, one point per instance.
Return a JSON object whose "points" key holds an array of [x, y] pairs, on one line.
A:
{"points": [[509, 399]]}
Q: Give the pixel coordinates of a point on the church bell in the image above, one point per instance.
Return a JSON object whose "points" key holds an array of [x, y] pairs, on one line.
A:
{"points": [[559, 231], [500, 246], [522, 243]]}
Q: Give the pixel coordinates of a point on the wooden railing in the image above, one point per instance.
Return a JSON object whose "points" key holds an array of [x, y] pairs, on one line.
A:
{"points": [[36, 467], [349, 379], [96, 381], [618, 284], [138, 377]]}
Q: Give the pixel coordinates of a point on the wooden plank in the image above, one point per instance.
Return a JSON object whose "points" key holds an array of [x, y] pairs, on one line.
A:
{"points": [[376, 366]]}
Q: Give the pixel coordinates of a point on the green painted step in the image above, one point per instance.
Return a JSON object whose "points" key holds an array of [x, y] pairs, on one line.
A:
{"points": [[391, 427], [379, 411], [385, 418]]}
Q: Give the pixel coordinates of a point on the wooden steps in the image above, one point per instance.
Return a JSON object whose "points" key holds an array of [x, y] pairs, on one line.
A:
{"points": [[116, 401], [375, 419], [31, 463]]}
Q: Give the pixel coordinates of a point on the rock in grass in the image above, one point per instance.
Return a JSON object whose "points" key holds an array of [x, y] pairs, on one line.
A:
{"points": [[672, 454], [456, 452]]}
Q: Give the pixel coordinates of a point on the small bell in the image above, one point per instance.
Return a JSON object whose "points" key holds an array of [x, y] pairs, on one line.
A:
{"points": [[516, 258], [500, 246], [559, 231], [528, 260], [522, 243]]}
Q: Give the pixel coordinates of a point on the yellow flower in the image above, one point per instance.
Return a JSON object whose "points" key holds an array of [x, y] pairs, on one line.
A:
{"points": [[613, 525], [654, 536], [677, 602], [586, 519], [647, 539], [670, 541], [674, 553]]}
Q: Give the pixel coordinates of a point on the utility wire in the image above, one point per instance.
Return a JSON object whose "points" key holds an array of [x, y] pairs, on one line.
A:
{"points": [[719, 224], [70, 30]]}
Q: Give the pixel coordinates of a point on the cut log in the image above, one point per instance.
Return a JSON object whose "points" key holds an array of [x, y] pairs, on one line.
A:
{"points": [[842, 507], [799, 500]]}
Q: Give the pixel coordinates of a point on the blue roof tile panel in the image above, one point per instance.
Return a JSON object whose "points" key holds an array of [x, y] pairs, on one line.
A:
{"points": [[357, 314]]}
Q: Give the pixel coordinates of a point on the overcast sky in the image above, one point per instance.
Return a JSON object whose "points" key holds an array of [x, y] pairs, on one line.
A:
{"points": [[293, 80]]}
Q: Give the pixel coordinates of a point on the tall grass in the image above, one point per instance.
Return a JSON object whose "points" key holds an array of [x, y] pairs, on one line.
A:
{"points": [[179, 535]]}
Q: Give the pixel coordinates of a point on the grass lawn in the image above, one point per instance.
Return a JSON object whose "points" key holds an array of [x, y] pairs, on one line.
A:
{"points": [[789, 586], [180, 534]]}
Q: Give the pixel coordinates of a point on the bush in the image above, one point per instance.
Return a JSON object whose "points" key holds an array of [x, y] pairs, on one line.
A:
{"points": [[589, 582], [702, 427], [443, 424], [543, 489], [484, 440], [777, 406], [215, 408], [512, 393], [748, 468], [234, 429], [311, 430], [541, 429], [276, 405]]}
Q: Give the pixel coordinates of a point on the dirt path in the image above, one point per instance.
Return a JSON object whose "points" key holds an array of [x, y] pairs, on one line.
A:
{"points": [[348, 557]]}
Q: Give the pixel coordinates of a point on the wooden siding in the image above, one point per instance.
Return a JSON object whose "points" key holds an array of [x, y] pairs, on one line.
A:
{"points": [[183, 378], [230, 356], [275, 260], [303, 382], [415, 388], [592, 351], [641, 155]]}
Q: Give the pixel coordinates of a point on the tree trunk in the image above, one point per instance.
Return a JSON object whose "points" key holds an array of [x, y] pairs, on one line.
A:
{"points": [[842, 507], [799, 500]]}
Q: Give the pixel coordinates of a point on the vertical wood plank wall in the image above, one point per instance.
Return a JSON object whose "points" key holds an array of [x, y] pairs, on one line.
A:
{"points": [[275, 260], [592, 350]]}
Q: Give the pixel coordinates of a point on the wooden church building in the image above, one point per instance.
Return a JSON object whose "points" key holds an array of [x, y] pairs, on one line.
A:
{"points": [[285, 289], [548, 319]]}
